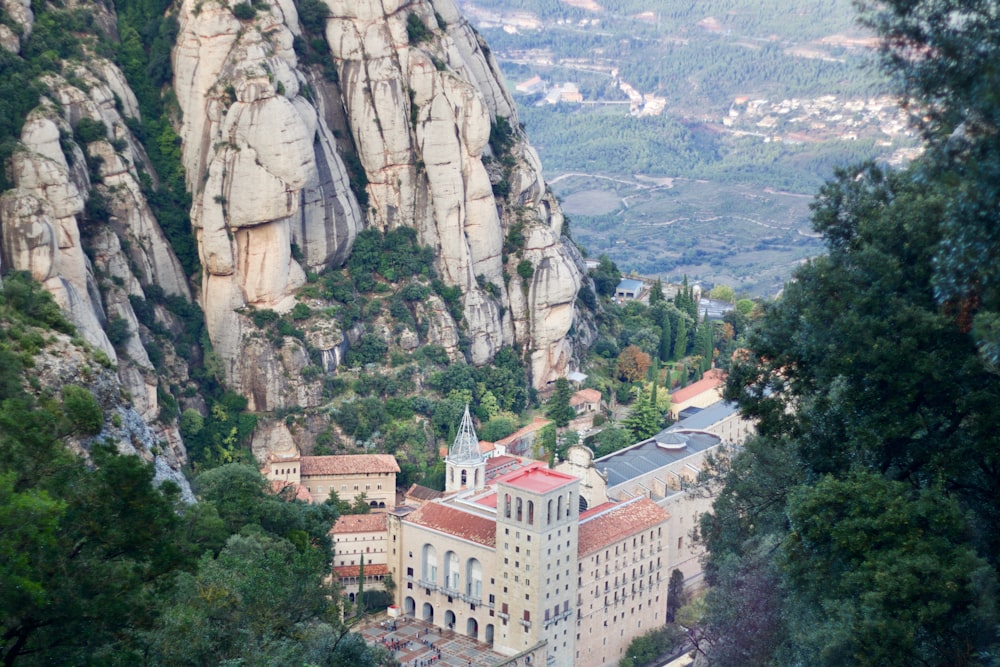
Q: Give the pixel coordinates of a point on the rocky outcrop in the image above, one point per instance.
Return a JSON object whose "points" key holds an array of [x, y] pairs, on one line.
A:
{"points": [[265, 174], [420, 105], [96, 263]]}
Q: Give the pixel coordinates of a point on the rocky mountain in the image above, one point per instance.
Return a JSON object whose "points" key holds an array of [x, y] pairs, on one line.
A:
{"points": [[300, 125]]}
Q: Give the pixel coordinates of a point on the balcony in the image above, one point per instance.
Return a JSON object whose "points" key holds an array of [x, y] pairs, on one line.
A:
{"points": [[526, 624], [503, 615]]}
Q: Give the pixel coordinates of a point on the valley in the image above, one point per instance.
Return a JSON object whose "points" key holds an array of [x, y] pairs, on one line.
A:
{"points": [[744, 113]]}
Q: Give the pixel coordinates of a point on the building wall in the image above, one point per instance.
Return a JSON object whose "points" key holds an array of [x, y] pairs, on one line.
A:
{"points": [[423, 591], [622, 594], [348, 548], [377, 487], [702, 400], [536, 552]]}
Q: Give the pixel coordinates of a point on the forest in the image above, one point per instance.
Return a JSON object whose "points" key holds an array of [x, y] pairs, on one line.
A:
{"points": [[860, 525]]}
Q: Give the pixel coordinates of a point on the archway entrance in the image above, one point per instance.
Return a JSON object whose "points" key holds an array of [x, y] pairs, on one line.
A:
{"points": [[449, 619], [428, 614], [472, 628], [489, 634], [409, 606]]}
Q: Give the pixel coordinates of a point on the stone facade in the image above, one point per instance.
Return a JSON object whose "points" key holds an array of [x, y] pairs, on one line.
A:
{"points": [[349, 476], [514, 565]]}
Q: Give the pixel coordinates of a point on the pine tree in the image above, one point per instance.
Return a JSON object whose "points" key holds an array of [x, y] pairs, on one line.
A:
{"points": [[558, 408], [656, 293], [666, 339], [643, 419], [681, 340]]}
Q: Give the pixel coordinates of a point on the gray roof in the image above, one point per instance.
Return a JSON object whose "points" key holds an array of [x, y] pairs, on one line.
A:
{"points": [[663, 449], [630, 285], [706, 417]]}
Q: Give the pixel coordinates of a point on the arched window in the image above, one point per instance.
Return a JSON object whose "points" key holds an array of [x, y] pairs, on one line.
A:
{"points": [[451, 570], [429, 564], [531, 513], [464, 478], [559, 511], [548, 515], [520, 507], [569, 504], [506, 505], [474, 578]]}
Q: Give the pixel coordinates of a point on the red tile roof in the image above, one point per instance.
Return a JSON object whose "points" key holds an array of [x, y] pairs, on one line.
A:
{"points": [[360, 523], [585, 396], [709, 381], [609, 523], [472, 527], [537, 478], [536, 424], [371, 570], [348, 464], [418, 492]]}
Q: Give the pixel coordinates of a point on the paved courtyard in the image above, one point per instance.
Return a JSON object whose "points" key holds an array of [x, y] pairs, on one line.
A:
{"points": [[418, 644]]}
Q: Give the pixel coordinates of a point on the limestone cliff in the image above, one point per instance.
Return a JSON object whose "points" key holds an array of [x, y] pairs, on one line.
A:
{"points": [[77, 221], [267, 173], [295, 136]]}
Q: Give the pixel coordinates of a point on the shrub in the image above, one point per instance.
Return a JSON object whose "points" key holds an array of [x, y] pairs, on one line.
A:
{"points": [[82, 410], [525, 269], [301, 311], [243, 11], [88, 130], [117, 331], [416, 31]]}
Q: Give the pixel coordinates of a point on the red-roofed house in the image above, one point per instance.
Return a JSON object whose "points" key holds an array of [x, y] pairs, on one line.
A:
{"points": [[519, 443], [348, 475], [701, 394], [357, 536]]}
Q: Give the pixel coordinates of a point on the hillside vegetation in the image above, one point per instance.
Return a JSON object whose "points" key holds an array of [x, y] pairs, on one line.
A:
{"points": [[860, 526]]}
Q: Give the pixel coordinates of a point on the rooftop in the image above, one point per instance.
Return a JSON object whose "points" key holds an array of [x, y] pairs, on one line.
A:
{"points": [[359, 523], [419, 492], [453, 521], [661, 450], [349, 464], [613, 522], [536, 479], [706, 417], [371, 570], [709, 381], [630, 285], [585, 396]]}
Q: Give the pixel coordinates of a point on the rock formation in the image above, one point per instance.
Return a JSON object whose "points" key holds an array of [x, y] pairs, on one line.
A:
{"points": [[266, 173]]}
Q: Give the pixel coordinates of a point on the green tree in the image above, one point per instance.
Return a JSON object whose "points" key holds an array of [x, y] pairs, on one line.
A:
{"points": [[723, 293], [681, 339], [858, 470], [644, 419], [656, 293], [557, 407], [82, 409], [676, 595]]}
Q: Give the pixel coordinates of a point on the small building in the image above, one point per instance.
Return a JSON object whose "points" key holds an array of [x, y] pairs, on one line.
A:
{"points": [[630, 289], [586, 401], [358, 537], [701, 394], [521, 441], [347, 475]]}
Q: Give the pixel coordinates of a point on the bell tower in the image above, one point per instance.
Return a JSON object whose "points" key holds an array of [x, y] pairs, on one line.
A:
{"points": [[465, 466]]}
